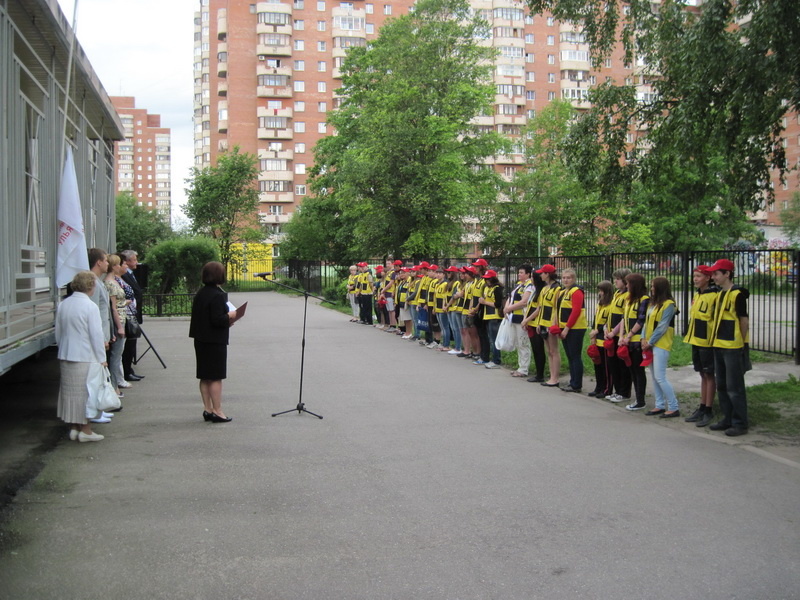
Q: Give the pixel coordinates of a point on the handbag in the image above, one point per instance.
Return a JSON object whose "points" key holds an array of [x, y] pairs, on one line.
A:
{"points": [[506, 340], [132, 329], [422, 319], [102, 395]]}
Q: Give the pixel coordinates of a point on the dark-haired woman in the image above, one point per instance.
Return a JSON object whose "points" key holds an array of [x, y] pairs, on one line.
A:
{"points": [[518, 301], [605, 293], [531, 324], [210, 328], [492, 302], [548, 317], [635, 311], [659, 331], [619, 384]]}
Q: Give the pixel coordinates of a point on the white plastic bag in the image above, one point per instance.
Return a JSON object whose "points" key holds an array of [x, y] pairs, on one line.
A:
{"points": [[102, 395], [505, 336]]}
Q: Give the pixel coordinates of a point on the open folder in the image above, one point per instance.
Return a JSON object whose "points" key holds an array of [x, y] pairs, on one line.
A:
{"points": [[239, 311]]}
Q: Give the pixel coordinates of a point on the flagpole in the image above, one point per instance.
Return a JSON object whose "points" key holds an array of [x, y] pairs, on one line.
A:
{"points": [[69, 79]]}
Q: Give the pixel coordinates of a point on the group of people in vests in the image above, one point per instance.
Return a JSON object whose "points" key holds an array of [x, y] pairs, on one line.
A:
{"points": [[459, 311]]}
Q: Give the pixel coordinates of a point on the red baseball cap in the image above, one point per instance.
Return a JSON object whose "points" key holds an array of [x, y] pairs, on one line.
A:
{"points": [[480, 263], [451, 269], [489, 274], [433, 268], [624, 355], [594, 353], [361, 264], [424, 265], [705, 270], [647, 358], [379, 268], [723, 264], [609, 346], [398, 263], [468, 269], [546, 269]]}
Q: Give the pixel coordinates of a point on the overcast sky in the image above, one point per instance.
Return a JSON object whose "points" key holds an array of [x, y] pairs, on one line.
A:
{"points": [[145, 49]]}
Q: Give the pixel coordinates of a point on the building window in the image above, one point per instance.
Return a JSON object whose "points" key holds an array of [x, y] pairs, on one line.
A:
{"points": [[299, 86], [321, 25], [299, 25], [369, 8], [511, 51], [608, 63], [370, 29], [387, 9], [299, 45], [322, 66], [510, 14], [322, 128], [550, 21], [274, 186], [273, 18], [273, 39], [530, 95], [322, 86], [551, 40], [276, 209], [299, 127], [299, 4], [299, 105], [275, 104], [299, 65], [529, 57], [322, 46], [551, 78], [300, 190], [273, 122], [322, 107], [273, 80], [300, 148], [530, 76], [551, 59], [300, 169], [551, 95], [348, 23], [273, 164]]}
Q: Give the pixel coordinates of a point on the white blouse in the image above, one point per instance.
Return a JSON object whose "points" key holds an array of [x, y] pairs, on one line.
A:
{"points": [[79, 331]]}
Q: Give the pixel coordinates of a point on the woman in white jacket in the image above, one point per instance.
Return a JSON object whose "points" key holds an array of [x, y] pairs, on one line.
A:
{"points": [[79, 335]]}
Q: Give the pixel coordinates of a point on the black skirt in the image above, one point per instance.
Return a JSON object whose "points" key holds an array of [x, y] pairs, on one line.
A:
{"points": [[212, 360]]}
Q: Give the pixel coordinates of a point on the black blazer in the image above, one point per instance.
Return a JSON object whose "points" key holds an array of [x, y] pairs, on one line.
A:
{"points": [[210, 321], [130, 279]]}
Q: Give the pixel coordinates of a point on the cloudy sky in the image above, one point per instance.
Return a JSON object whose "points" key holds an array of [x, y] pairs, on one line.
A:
{"points": [[144, 48]]}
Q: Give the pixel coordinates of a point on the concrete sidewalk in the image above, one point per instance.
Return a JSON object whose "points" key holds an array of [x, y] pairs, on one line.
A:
{"points": [[427, 478]]}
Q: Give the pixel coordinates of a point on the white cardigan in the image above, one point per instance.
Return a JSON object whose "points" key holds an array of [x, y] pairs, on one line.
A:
{"points": [[79, 331]]}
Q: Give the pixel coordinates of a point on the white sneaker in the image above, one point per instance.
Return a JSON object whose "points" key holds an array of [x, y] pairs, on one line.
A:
{"points": [[73, 435], [491, 365], [406, 337], [634, 406], [100, 420], [432, 345], [454, 352], [124, 384], [90, 437], [106, 415]]}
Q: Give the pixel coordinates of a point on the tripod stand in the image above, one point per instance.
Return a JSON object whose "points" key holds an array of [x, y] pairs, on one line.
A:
{"points": [[300, 408]]}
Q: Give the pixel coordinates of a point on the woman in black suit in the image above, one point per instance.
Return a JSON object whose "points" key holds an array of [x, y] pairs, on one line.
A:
{"points": [[210, 325]]}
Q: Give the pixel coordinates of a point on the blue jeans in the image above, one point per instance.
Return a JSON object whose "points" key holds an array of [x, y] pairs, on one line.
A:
{"points": [[573, 344], [444, 324], [455, 326], [115, 361], [492, 327], [662, 388], [412, 308]]}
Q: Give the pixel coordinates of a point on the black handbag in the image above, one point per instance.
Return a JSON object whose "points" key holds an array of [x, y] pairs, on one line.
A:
{"points": [[132, 329]]}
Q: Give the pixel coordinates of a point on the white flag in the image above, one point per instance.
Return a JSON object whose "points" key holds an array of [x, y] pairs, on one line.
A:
{"points": [[72, 255]]}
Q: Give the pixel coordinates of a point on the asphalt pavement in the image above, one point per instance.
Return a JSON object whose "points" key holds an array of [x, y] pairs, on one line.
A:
{"points": [[428, 477]]}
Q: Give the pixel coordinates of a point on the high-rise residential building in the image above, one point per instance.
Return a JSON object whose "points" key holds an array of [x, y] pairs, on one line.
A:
{"points": [[143, 160], [265, 75]]}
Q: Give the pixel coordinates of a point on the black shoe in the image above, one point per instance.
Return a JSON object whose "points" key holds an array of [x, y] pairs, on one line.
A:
{"points": [[137, 375], [206, 415], [215, 418], [735, 431], [115, 409], [720, 426], [672, 415], [535, 379], [696, 415], [594, 394], [133, 378], [569, 388], [705, 419], [655, 411]]}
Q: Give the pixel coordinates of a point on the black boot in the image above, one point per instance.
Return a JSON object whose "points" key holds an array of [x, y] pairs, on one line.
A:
{"points": [[708, 416], [696, 415]]}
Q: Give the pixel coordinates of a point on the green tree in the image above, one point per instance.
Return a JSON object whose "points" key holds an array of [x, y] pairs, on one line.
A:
{"points": [[724, 75], [790, 217], [222, 201], [406, 165], [175, 265], [138, 228], [549, 194]]}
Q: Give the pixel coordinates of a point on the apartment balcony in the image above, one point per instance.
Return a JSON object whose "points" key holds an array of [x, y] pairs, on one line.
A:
{"points": [[222, 88], [222, 145], [263, 69], [275, 134], [510, 119], [284, 154], [270, 28], [263, 111], [222, 69], [222, 126], [274, 198], [276, 176], [264, 50], [483, 120], [266, 91], [275, 7], [222, 23]]}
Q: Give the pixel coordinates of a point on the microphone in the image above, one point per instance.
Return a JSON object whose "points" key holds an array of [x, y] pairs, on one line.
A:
{"points": [[263, 274]]}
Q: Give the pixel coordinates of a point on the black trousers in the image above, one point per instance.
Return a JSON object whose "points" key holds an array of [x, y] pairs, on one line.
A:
{"points": [[539, 354], [731, 391], [365, 304], [483, 336], [128, 356]]}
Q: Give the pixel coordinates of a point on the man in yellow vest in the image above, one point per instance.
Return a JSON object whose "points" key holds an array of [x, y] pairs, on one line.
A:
{"points": [[731, 336]]}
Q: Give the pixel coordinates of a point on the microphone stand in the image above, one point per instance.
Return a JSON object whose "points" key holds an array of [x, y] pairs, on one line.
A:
{"points": [[300, 408]]}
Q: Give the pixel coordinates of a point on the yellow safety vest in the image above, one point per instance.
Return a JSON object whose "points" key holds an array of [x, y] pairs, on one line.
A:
{"points": [[565, 309], [477, 291], [631, 312], [651, 322], [490, 311], [547, 304], [440, 296], [617, 308], [455, 305], [727, 330], [402, 292], [701, 315], [601, 319], [352, 280]]}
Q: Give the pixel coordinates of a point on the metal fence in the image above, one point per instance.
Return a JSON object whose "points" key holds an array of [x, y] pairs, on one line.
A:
{"points": [[769, 275]]}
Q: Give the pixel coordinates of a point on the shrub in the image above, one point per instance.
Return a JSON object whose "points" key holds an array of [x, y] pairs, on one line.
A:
{"points": [[175, 265]]}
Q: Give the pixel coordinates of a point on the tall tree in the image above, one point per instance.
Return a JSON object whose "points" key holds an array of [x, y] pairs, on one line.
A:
{"points": [[222, 201], [725, 74], [138, 228], [406, 165]]}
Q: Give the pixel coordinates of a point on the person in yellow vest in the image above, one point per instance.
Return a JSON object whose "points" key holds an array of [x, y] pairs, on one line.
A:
{"points": [[480, 266], [731, 339], [390, 293], [634, 313], [546, 317], [573, 325], [619, 374], [414, 279], [401, 290], [435, 334], [698, 334], [421, 303], [352, 292], [442, 315], [453, 309], [530, 322], [492, 302], [469, 333], [602, 319], [518, 301], [379, 299], [657, 336], [365, 294]]}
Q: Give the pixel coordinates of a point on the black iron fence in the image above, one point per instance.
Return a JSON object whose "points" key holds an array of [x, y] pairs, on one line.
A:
{"points": [[769, 275]]}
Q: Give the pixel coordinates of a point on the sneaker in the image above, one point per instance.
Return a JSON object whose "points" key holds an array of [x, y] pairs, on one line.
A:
{"points": [[456, 352], [73, 435], [612, 397], [462, 355], [433, 345], [124, 384], [491, 365], [100, 420], [617, 399], [635, 406], [406, 337], [479, 362], [696, 415], [90, 437], [423, 343], [705, 419], [106, 415], [391, 329]]}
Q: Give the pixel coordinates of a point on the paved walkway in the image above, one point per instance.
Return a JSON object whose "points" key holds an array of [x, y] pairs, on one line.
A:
{"points": [[427, 478]]}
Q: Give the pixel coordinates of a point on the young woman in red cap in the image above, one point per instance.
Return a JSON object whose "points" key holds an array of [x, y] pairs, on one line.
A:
{"points": [[657, 336], [698, 334], [492, 302], [547, 317]]}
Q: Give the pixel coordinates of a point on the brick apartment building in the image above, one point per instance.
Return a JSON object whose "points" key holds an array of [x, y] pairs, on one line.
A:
{"points": [[143, 160], [265, 75]]}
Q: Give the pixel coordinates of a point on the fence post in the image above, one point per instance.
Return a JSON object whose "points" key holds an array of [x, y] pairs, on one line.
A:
{"points": [[794, 266], [688, 288]]}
